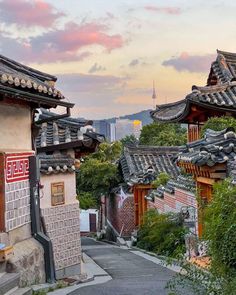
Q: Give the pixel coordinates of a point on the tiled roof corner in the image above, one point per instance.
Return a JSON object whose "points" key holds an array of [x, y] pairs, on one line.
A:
{"points": [[64, 131], [14, 75], [219, 94], [216, 147]]}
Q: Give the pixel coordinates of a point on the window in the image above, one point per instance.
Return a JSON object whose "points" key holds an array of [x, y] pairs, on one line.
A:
{"points": [[58, 193]]}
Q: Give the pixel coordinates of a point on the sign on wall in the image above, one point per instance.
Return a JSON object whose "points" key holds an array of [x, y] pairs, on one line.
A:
{"points": [[17, 167]]}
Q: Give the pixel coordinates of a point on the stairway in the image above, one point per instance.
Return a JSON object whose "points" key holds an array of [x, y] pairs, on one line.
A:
{"points": [[9, 282], [9, 285]]}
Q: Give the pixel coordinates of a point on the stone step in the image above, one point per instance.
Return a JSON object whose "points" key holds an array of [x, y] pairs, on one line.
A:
{"points": [[8, 282], [21, 291]]}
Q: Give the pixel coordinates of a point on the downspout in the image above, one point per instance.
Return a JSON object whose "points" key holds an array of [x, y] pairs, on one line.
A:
{"points": [[36, 220]]}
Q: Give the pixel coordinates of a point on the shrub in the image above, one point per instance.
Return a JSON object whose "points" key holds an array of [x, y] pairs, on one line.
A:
{"points": [[162, 234], [220, 232], [218, 124]]}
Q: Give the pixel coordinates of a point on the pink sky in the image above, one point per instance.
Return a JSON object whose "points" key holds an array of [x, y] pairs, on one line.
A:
{"points": [[107, 53]]}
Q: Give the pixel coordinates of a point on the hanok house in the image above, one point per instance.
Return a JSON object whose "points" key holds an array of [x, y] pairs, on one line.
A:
{"points": [[60, 145], [22, 90], [216, 99], [209, 160], [139, 165]]}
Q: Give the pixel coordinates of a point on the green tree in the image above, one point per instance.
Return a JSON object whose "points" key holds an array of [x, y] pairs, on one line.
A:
{"points": [[163, 134], [220, 233], [218, 124], [107, 152], [86, 200], [221, 228], [129, 140], [162, 233], [98, 173]]}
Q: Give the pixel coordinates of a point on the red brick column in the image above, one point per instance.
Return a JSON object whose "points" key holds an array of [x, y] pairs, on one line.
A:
{"points": [[2, 194]]}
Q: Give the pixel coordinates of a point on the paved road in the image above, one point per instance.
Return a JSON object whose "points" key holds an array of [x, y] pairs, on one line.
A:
{"points": [[131, 274]]}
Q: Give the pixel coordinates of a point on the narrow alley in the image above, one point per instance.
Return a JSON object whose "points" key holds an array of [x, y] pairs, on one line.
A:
{"points": [[131, 274]]}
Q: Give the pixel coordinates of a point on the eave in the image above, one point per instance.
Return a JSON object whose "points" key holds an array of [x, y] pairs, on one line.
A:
{"points": [[41, 101]]}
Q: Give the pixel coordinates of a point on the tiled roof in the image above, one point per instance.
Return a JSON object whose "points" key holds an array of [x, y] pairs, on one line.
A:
{"points": [[67, 130], [223, 69], [183, 182], [141, 164], [219, 94], [14, 75], [217, 147], [56, 163]]}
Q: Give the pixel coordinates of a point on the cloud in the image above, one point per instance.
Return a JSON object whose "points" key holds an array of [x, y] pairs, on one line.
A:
{"points": [[163, 9], [92, 86], [29, 13], [99, 96], [96, 68], [62, 44], [134, 62], [190, 63]]}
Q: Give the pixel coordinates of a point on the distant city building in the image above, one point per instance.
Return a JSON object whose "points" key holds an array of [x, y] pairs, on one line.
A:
{"points": [[103, 127], [137, 126], [125, 127], [112, 132], [118, 129]]}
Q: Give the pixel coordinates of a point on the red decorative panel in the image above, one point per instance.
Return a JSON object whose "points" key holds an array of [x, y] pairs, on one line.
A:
{"points": [[17, 167]]}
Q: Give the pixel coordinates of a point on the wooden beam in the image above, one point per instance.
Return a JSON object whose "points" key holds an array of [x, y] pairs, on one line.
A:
{"points": [[205, 180]]}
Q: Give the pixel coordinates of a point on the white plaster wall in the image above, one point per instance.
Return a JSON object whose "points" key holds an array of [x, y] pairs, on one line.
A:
{"points": [[84, 219], [15, 131], [69, 186]]}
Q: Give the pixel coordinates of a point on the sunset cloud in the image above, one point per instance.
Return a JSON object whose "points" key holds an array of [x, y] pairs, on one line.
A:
{"points": [[163, 9], [190, 63], [63, 44], [28, 13]]}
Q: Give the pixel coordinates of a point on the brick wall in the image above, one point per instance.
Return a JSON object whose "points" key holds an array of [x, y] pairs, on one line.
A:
{"points": [[63, 228], [174, 202], [122, 219]]}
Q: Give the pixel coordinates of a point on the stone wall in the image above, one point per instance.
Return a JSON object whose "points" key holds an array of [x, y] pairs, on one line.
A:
{"points": [[28, 260], [63, 227]]}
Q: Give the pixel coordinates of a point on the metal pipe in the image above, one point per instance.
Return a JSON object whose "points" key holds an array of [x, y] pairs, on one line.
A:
{"points": [[36, 220]]}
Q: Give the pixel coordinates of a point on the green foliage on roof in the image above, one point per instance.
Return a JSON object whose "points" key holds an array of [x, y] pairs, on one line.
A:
{"points": [[163, 134], [218, 124], [161, 179]]}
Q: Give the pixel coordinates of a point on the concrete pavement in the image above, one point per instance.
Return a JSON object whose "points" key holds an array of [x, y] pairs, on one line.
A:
{"points": [[131, 274], [121, 271]]}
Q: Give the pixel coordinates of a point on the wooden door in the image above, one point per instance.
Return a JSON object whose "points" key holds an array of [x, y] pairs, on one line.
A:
{"points": [[93, 222]]}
